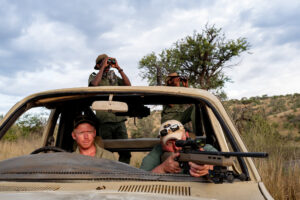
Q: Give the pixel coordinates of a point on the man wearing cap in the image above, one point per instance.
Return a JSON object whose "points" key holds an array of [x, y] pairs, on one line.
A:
{"points": [[170, 131], [84, 134], [105, 76], [174, 111], [111, 126]]}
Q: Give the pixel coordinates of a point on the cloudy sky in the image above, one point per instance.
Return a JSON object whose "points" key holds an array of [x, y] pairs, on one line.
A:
{"points": [[53, 44]]}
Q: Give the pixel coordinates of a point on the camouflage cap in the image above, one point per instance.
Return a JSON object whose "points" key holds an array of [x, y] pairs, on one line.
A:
{"points": [[99, 58]]}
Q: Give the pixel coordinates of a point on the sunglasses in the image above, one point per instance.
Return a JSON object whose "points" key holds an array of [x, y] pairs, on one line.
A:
{"points": [[168, 127]]}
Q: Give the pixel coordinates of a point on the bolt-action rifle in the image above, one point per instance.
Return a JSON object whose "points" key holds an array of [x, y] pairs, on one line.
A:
{"points": [[221, 160]]}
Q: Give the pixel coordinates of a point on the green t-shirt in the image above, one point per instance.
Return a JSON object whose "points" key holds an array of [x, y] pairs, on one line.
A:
{"points": [[100, 153], [108, 79], [152, 160]]}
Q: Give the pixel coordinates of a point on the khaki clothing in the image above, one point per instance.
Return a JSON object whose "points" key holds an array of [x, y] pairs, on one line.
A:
{"points": [[100, 153], [110, 125], [108, 117], [108, 79]]}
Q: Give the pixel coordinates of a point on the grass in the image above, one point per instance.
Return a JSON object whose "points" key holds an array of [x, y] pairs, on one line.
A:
{"points": [[280, 172], [22, 146]]}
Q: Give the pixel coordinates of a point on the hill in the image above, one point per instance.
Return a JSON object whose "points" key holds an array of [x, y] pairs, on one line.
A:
{"points": [[281, 112]]}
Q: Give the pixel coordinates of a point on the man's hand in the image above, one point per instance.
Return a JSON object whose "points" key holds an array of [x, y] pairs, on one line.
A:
{"points": [[104, 64], [168, 166], [116, 65], [199, 170]]}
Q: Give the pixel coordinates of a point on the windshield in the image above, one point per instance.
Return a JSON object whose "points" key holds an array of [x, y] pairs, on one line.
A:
{"points": [[47, 131]]}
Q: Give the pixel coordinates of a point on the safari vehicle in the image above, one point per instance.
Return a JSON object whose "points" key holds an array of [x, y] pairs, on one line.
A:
{"points": [[53, 172]]}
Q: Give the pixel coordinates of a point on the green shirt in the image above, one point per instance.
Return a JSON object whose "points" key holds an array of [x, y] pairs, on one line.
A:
{"points": [[152, 160], [100, 153], [174, 111], [108, 79]]}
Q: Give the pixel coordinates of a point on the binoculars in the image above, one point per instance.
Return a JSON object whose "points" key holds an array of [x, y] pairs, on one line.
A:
{"points": [[111, 61]]}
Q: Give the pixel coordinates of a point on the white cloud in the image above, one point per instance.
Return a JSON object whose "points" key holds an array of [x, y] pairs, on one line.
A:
{"points": [[271, 70], [52, 40], [62, 52]]}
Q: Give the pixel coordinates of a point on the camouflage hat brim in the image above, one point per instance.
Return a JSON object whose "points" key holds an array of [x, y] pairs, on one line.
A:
{"points": [[99, 59]]}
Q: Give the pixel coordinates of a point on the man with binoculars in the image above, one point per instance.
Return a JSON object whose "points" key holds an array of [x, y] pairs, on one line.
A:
{"points": [[110, 125], [105, 76]]}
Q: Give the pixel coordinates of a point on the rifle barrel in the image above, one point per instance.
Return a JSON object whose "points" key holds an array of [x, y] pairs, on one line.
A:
{"points": [[234, 154]]}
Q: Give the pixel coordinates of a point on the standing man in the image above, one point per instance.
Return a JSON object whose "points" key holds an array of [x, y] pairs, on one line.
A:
{"points": [[174, 111], [110, 125], [170, 131], [84, 133]]}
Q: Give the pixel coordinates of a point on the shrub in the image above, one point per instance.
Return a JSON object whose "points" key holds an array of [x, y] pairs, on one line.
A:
{"points": [[278, 172], [31, 124]]}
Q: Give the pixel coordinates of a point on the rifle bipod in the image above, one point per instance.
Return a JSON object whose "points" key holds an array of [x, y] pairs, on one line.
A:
{"points": [[220, 174]]}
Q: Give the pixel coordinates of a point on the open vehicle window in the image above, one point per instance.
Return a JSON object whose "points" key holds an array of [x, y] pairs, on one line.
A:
{"points": [[25, 135]]}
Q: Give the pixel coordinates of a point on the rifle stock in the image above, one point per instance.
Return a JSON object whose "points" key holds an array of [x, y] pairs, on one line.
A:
{"points": [[201, 159]]}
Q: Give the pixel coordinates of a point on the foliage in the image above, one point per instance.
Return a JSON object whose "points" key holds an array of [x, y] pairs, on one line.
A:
{"points": [[277, 105], [201, 57], [11, 134], [280, 168], [293, 121], [296, 101], [28, 124], [145, 127], [31, 124]]}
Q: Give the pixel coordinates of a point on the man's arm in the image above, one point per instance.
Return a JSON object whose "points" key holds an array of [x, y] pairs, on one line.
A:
{"points": [[168, 166], [123, 75]]}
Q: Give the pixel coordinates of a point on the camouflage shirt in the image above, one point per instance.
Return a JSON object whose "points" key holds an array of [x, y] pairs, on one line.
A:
{"points": [[174, 111], [108, 79]]}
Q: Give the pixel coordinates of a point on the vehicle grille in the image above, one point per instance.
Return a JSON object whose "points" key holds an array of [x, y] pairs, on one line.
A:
{"points": [[29, 188], [158, 189]]}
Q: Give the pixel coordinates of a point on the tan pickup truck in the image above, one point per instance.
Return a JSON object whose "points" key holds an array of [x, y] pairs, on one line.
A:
{"points": [[53, 172]]}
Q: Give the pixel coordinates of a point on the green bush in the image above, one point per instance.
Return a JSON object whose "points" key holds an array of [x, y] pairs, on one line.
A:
{"points": [[31, 124], [12, 134], [277, 105], [144, 129], [296, 101]]}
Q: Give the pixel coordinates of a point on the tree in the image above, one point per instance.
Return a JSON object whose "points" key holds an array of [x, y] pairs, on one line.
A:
{"points": [[201, 57], [155, 69]]}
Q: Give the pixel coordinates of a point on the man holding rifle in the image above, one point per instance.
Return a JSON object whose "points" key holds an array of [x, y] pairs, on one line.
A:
{"points": [[169, 132]]}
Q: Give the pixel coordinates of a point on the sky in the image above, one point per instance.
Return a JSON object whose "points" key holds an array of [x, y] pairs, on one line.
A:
{"points": [[54, 44]]}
